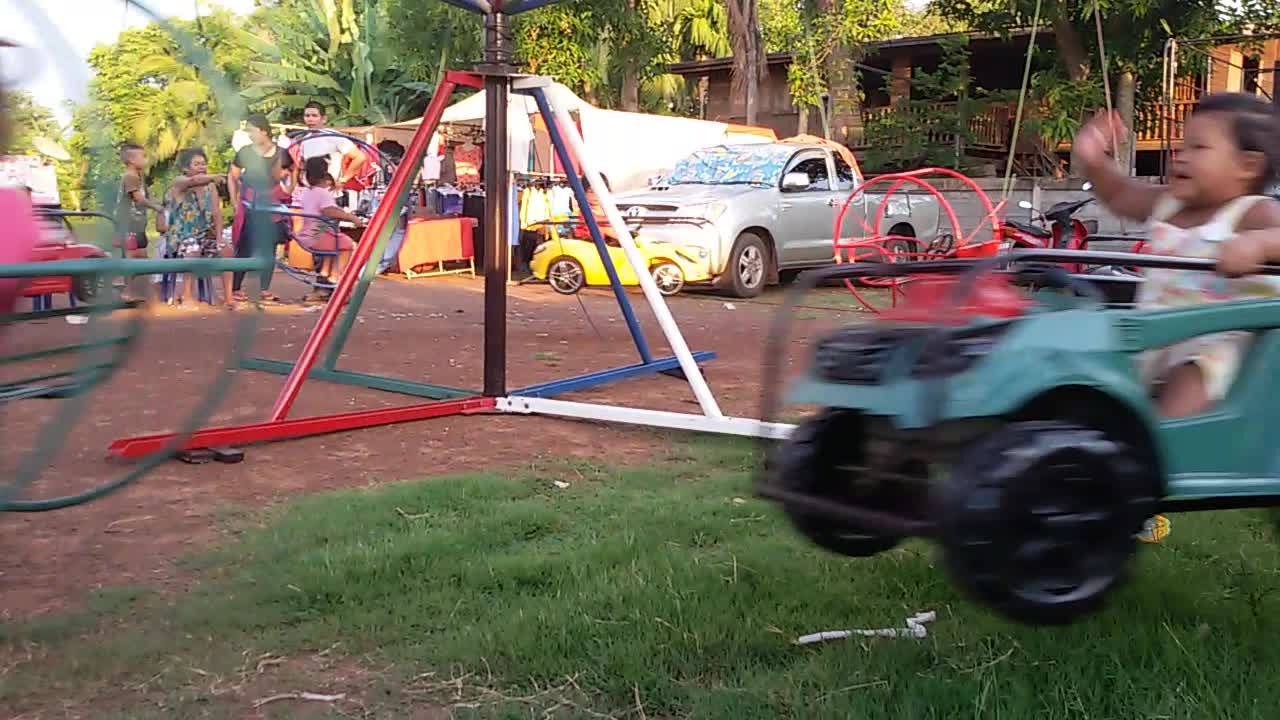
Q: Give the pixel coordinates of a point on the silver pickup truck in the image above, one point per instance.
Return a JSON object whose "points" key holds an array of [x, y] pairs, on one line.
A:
{"points": [[755, 210]]}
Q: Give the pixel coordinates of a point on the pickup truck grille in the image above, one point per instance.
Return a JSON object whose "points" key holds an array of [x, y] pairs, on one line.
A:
{"points": [[859, 356]]}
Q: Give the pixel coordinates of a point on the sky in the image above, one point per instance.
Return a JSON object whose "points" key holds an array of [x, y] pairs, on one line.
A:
{"points": [[83, 24]]}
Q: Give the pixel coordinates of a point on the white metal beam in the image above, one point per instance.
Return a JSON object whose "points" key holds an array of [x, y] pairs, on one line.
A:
{"points": [[651, 418]]}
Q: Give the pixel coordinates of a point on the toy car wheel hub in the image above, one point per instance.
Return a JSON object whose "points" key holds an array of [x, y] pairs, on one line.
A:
{"points": [[565, 276], [1039, 519], [668, 278]]}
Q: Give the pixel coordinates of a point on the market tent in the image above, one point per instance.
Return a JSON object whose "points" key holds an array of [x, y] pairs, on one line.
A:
{"points": [[627, 147], [471, 111]]}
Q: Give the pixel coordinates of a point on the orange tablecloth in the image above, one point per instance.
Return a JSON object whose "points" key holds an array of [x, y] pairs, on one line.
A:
{"points": [[436, 240]]}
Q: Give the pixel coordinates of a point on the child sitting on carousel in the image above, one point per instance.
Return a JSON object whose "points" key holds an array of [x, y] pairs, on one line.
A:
{"points": [[21, 230], [317, 235], [1215, 206]]}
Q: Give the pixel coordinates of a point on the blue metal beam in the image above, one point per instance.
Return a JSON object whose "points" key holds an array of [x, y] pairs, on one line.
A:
{"points": [[603, 377], [477, 6], [593, 224]]}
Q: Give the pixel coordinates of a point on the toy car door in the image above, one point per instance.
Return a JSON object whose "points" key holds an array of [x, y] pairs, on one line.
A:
{"points": [[626, 273]]}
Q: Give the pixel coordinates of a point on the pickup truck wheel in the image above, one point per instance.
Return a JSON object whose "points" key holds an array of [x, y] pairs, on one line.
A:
{"points": [[822, 458], [748, 266], [1038, 521]]}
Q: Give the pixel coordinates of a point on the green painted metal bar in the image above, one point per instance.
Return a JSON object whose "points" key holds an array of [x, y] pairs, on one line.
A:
{"points": [[92, 374], [107, 266], [64, 349], [65, 312], [365, 380]]}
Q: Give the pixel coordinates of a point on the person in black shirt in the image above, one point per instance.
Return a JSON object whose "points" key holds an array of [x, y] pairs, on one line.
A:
{"points": [[255, 173]]}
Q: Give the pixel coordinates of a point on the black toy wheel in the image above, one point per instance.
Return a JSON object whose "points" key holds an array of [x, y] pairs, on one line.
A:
{"points": [[823, 457], [84, 288], [1038, 520]]}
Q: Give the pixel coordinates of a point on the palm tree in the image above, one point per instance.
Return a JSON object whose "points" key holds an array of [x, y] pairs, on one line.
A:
{"points": [[182, 114], [749, 62], [695, 30], [700, 30], [332, 54]]}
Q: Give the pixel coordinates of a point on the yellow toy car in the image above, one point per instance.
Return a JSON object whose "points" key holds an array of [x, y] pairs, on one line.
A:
{"points": [[569, 264]]}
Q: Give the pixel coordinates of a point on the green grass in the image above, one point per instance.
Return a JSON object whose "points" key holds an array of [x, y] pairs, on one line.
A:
{"points": [[664, 589]]}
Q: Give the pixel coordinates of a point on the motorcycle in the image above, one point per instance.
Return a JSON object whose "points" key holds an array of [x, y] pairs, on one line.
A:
{"points": [[1067, 232]]}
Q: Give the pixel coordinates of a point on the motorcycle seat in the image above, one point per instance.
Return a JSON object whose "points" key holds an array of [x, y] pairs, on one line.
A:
{"points": [[1029, 229]]}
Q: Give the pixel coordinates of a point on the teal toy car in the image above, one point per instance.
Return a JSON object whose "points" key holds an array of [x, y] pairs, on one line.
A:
{"points": [[1016, 432]]}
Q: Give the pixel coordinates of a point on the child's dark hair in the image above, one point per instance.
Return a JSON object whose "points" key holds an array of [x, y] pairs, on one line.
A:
{"points": [[317, 170], [1255, 125], [127, 148], [259, 121], [313, 105], [186, 156]]}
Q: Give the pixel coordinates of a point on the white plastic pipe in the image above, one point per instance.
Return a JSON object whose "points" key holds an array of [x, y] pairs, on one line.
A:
{"points": [[656, 302]]}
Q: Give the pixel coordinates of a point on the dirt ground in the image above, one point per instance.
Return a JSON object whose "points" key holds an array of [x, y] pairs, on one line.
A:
{"points": [[428, 329]]}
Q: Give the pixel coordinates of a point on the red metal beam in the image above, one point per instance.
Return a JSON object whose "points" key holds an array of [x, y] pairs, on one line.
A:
{"points": [[466, 79], [404, 174], [239, 435]]}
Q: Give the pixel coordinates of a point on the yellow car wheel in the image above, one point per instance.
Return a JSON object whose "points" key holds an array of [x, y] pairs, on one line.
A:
{"points": [[565, 275], [668, 277]]}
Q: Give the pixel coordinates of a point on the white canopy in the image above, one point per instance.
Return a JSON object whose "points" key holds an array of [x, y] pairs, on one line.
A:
{"points": [[628, 148], [471, 111]]}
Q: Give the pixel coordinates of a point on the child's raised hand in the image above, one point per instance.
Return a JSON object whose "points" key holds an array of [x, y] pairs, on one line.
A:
{"points": [[1243, 254], [1096, 140]]}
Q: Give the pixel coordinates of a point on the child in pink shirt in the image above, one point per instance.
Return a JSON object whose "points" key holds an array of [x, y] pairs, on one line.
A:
{"points": [[317, 235], [21, 233]]}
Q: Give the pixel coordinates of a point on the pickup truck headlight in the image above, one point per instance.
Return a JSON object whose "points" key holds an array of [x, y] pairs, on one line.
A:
{"points": [[709, 211]]}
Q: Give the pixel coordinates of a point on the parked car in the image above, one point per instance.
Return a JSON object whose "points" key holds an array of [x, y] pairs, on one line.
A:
{"points": [[569, 264], [760, 209], [60, 243]]}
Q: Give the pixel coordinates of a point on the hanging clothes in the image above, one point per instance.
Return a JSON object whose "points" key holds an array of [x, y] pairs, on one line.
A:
{"points": [[535, 206], [561, 202], [467, 159]]}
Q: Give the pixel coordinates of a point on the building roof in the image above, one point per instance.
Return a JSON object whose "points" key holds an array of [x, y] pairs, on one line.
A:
{"points": [[691, 67]]}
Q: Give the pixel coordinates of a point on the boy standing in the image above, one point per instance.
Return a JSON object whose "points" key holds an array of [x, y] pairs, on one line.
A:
{"points": [[346, 161], [131, 209]]}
